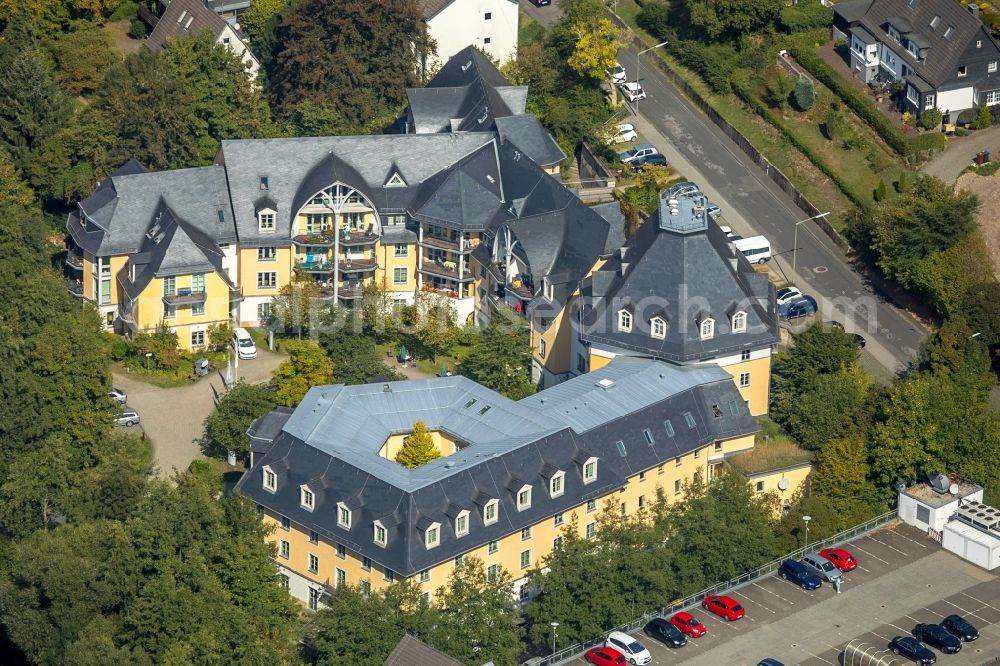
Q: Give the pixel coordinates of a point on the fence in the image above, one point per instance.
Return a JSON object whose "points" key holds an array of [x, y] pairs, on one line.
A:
{"points": [[574, 651]]}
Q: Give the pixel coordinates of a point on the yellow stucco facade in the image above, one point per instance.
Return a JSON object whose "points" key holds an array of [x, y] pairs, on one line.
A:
{"points": [[770, 481], [190, 317]]}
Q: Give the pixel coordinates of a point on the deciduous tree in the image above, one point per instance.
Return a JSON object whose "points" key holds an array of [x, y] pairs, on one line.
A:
{"points": [[82, 57], [596, 48], [500, 357], [298, 306], [733, 18], [226, 427], [307, 367]]}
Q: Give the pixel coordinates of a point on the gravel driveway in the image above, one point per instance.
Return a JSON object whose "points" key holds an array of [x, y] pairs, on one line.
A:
{"points": [[960, 153], [174, 418]]}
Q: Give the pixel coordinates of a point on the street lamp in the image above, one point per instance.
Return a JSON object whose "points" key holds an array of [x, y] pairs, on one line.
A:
{"points": [[149, 355], [807, 519], [637, 69], [554, 634], [795, 243]]}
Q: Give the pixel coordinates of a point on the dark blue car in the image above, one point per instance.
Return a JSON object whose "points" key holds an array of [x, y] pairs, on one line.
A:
{"points": [[798, 573], [911, 648], [800, 307]]}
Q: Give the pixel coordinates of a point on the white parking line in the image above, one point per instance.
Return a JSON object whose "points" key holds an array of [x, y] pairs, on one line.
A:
{"points": [[871, 555], [885, 638], [903, 536], [890, 547], [966, 611], [905, 631], [754, 602], [787, 601], [985, 604]]}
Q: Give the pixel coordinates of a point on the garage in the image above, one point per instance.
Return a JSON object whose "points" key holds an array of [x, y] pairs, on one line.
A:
{"points": [[972, 544]]}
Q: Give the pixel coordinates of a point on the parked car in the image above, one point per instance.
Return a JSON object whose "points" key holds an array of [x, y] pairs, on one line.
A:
{"points": [[801, 307], [769, 662], [841, 559], [128, 418], [822, 567], [541, 3], [243, 344], [632, 90], [713, 210], [723, 606], [960, 627], [688, 624], [640, 151], [118, 395], [911, 648], [683, 187], [622, 133], [617, 72], [797, 573], [640, 164], [937, 636], [634, 651], [786, 294], [604, 656], [665, 632]]}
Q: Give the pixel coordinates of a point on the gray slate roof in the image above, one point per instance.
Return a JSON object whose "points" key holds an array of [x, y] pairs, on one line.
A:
{"points": [[410, 651], [332, 439], [183, 18], [525, 132], [681, 268], [943, 54], [115, 218]]}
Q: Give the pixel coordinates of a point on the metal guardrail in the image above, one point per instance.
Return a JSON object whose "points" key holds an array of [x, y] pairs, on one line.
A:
{"points": [[572, 652]]}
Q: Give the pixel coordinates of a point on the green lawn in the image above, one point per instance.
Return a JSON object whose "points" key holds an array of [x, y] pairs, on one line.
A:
{"points": [[529, 31], [773, 449]]}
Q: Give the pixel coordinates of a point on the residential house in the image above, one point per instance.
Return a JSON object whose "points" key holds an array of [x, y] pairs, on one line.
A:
{"points": [[511, 477], [489, 25], [182, 18], [937, 49], [410, 651]]}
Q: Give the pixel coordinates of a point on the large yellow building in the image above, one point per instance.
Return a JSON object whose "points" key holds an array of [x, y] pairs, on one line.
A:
{"points": [[512, 476]]}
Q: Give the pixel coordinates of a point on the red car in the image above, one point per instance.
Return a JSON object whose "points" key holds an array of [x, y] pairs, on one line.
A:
{"points": [[688, 624], [605, 656], [722, 606], [840, 558]]}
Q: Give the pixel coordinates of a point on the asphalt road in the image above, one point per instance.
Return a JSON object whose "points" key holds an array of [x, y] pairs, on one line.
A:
{"points": [[755, 205]]}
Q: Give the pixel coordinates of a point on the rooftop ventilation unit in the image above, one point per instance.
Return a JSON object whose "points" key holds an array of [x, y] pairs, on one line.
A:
{"points": [[605, 384], [980, 516], [940, 483]]}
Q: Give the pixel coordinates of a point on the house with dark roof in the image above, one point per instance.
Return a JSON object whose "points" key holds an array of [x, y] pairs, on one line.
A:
{"points": [[410, 651], [183, 18], [511, 475], [938, 50], [489, 25]]}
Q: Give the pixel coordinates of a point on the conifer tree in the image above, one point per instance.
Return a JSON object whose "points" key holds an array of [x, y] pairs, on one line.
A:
{"points": [[418, 447]]}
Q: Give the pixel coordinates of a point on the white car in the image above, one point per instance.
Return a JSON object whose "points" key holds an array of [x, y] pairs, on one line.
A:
{"points": [[243, 344], [618, 73], [642, 150], [623, 133], [632, 91], [787, 295], [631, 649]]}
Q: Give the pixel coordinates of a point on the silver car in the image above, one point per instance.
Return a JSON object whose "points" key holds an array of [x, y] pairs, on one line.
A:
{"points": [[129, 417], [822, 567], [118, 395]]}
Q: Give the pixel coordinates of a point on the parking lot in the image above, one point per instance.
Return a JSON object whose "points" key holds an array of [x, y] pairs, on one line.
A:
{"points": [[903, 578]]}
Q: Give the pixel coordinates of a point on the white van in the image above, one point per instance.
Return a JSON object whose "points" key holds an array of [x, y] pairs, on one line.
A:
{"points": [[756, 249], [243, 344]]}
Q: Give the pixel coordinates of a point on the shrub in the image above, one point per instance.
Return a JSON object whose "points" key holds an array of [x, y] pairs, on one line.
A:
{"points": [[137, 29], [806, 15], [966, 117], [654, 18], [833, 126], [778, 84], [125, 10], [805, 95], [200, 467], [983, 120], [713, 62], [119, 348], [904, 183], [931, 118], [909, 119], [880, 192]]}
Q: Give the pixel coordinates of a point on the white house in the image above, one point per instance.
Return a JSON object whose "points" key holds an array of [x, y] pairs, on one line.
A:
{"points": [[489, 25], [190, 17]]}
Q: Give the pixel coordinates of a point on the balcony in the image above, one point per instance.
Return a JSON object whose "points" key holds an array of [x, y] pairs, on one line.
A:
{"points": [[356, 238], [75, 287], [324, 239], [446, 269], [314, 266], [356, 265], [74, 261], [184, 297], [446, 244], [350, 291]]}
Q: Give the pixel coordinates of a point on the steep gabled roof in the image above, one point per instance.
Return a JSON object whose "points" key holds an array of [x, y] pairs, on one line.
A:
{"points": [[183, 18], [410, 651]]}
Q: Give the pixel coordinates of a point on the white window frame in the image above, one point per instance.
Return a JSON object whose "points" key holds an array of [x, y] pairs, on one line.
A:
{"points": [[590, 531], [460, 531], [343, 516], [285, 549], [559, 478], [313, 563], [962, 72], [266, 254], [261, 284], [658, 327], [929, 102], [433, 530], [396, 272], [744, 380], [307, 498], [378, 530], [266, 220], [912, 95], [548, 291], [523, 497], [992, 97], [591, 463], [270, 479], [525, 563], [624, 321], [739, 322], [401, 250], [425, 576], [706, 328], [197, 338], [543, 347], [495, 505], [991, 66]]}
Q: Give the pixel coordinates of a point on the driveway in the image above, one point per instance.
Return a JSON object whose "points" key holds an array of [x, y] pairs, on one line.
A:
{"points": [[949, 165], [174, 418]]}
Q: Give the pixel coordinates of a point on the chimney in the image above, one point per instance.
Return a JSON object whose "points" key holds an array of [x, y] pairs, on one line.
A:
{"points": [[974, 9]]}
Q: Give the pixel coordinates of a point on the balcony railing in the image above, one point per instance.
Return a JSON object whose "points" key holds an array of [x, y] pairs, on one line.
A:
{"points": [[354, 238], [74, 261], [75, 287], [323, 239], [314, 266], [446, 244], [356, 265], [183, 297], [446, 269]]}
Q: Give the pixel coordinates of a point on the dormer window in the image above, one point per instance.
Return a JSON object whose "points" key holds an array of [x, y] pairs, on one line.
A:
{"points": [[462, 523], [706, 328], [658, 328], [270, 479], [265, 220], [590, 470], [343, 516], [432, 535], [893, 33], [557, 485], [624, 321], [547, 289], [306, 498], [263, 182], [524, 498], [935, 21], [962, 71], [380, 533], [491, 512], [739, 322], [949, 32]]}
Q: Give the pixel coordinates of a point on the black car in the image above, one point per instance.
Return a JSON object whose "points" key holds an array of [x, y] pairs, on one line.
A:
{"points": [[665, 632], [541, 3], [960, 627], [654, 159], [797, 573], [770, 662], [937, 636], [912, 649]]}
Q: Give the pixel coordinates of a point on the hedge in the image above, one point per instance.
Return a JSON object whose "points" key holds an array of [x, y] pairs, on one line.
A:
{"points": [[743, 92]]}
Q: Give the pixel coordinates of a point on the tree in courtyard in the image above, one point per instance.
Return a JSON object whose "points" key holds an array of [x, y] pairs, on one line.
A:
{"points": [[432, 323], [219, 336], [355, 358], [307, 366], [829, 406], [983, 119], [418, 447], [226, 426], [931, 119], [500, 357], [298, 306], [733, 18]]}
